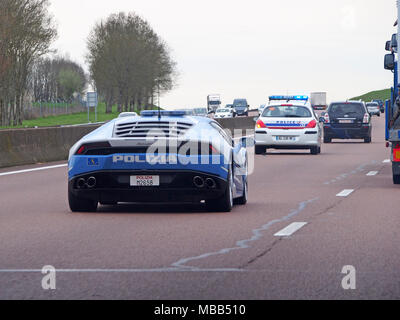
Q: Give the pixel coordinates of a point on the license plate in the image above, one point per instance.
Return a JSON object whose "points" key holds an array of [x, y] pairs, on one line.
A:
{"points": [[285, 138], [145, 181], [345, 121]]}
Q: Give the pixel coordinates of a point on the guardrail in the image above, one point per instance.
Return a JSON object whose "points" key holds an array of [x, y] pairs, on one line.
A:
{"points": [[40, 145]]}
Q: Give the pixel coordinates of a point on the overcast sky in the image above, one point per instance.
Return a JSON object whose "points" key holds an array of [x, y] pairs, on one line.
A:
{"points": [[254, 48]]}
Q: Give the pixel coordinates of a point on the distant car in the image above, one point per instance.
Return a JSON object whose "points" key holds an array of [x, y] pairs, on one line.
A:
{"points": [[127, 114], [201, 112], [230, 106], [241, 107], [288, 125], [374, 109], [223, 113], [347, 120], [187, 112], [381, 104], [123, 161]]}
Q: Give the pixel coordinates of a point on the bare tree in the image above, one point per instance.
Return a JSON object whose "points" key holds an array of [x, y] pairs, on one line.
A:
{"points": [[56, 79], [26, 32], [128, 62]]}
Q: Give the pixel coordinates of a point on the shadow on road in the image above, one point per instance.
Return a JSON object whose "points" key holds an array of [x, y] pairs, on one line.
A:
{"points": [[161, 208]]}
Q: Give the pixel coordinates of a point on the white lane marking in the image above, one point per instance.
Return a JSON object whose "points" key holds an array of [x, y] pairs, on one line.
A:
{"points": [[361, 168], [372, 173], [159, 270], [289, 230], [34, 169], [245, 243], [345, 193], [386, 161]]}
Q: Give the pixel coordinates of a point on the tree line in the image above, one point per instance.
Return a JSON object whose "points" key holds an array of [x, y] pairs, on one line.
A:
{"points": [[129, 64], [26, 32], [57, 79]]}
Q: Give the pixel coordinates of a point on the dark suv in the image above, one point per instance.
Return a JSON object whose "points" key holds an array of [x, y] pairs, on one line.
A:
{"points": [[347, 120], [241, 107]]}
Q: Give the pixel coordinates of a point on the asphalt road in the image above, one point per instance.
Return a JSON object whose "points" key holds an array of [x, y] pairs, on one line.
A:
{"points": [[176, 252]]}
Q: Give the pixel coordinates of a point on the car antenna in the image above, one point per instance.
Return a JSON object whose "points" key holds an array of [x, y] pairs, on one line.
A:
{"points": [[159, 104]]}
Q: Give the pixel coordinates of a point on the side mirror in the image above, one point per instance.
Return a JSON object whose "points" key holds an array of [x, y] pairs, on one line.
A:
{"points": [[322, 119], [388, 46], [389, 61], [247, 142], [393, 43]]}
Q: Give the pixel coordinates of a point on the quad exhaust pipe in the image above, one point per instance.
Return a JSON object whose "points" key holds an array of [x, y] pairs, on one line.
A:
{"points": [[81, 183], [200, 182], [90, 183], [211, 183]]}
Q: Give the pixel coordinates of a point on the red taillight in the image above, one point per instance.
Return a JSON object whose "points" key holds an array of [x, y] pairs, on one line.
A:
{"points": [[396, 155], [85, 148], [81, 150], [366, 118], [286, 105], [312, 125], [260, 124], [326, 117]]}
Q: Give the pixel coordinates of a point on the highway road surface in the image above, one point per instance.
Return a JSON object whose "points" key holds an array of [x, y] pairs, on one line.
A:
{"points": [[307, 218]]}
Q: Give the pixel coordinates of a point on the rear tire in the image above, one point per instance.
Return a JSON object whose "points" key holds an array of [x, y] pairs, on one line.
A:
{"points": [[77, 204], [327, 140], [368, 140], [396, 179], [225, 203], [314, 150], [260, 150]]}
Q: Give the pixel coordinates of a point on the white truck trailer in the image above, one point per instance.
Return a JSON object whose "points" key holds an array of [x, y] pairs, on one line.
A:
{"points": [[318, 100], [213, 102]]}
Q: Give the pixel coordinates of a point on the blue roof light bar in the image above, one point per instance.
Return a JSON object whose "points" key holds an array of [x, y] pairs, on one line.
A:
{"points": [[288, 98], [154, 113]]}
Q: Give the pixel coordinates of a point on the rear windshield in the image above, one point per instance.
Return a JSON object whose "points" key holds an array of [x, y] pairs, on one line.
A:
{"points": [[287, 112], [346, 109], [222, 110], [372, 105]]}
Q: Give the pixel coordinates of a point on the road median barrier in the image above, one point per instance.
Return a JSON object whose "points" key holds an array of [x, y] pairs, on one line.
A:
{"points": [[41, 145]]}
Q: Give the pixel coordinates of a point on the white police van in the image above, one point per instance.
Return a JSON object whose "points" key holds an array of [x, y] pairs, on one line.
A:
{"points": [[288, 122]]}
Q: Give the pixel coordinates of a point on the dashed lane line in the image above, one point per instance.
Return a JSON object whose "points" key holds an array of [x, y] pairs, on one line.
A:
{"points": [[345, 193], [291, 229]]}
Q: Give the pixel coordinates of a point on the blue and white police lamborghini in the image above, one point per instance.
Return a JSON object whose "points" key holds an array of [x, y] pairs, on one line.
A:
{"points": [[158, 157]]}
